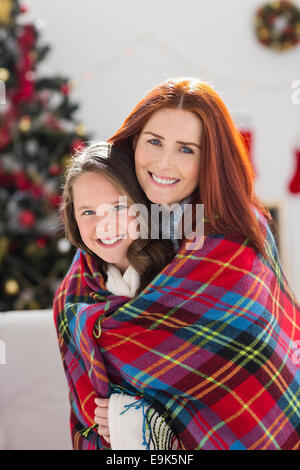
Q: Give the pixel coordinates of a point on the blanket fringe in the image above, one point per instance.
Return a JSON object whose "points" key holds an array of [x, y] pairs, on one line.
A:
{"points": [[141, 402], [156, 432], [88, 430]]}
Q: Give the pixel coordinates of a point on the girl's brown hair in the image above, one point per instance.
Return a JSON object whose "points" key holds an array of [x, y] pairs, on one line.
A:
{"points": [[226, 184], [148, 256]]}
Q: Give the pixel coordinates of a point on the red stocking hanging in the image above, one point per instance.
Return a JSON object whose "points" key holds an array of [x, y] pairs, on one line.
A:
{"points": [[294, 185]]}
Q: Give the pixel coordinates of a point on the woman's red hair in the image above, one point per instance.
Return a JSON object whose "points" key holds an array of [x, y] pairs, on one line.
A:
{"points": [[226, 184]]}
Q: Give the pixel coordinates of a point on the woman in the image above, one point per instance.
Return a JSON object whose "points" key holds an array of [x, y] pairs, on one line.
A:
{"points": [[216, 171], [224, 324]]}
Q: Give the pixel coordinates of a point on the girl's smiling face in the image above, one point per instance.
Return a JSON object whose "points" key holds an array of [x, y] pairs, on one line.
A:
{"points": [[103, 223], [167, 155]]}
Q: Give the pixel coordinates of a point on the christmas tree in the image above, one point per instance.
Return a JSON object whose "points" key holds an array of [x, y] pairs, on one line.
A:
{"points": [[38, 134]]}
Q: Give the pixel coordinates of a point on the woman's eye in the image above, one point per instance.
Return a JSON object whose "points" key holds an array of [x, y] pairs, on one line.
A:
{"points": [[186, 150], [154, 141]]}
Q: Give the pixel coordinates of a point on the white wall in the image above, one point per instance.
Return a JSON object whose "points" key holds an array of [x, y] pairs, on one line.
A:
{"points": [[116, 50]]}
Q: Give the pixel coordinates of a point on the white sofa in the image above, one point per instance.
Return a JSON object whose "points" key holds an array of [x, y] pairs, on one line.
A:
{"points": [[34, 406]]}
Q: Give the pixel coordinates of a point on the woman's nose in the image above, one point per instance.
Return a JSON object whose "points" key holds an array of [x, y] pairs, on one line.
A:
{"points": [[165, 160]]}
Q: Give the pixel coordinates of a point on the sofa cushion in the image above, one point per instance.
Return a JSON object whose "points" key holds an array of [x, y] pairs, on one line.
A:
{"points": [[34, 405]]}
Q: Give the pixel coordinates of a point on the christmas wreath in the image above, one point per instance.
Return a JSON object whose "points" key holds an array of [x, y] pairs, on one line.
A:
{"points": [[278, 25]]}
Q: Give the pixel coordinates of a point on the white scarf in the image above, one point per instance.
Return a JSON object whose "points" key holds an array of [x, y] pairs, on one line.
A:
{"points": [[126, 285]]}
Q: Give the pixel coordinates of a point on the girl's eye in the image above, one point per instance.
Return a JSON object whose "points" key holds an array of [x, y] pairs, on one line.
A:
{"points": [[186, 150], [88, 212], [154, 141], [119, 207]]}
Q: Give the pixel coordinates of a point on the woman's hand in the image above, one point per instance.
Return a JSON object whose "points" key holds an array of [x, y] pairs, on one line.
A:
{"points": [[101, 417]]}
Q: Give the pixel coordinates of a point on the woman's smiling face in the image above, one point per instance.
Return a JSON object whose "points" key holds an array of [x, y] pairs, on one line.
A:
{"points": [[167, 155]]}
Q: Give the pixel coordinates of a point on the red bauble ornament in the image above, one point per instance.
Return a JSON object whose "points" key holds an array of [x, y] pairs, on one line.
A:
{"points": [[65, 89], [55, 200], [26, 89], [27, 218], [5, 136], [50, 121], [41, 242], [294, 185], [77, 145], [54, 169], [36, 191], [27, 37], [21, 181], [5, 178]]}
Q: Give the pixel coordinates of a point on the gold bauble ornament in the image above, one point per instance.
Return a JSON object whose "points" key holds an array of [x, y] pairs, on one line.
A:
{"points": [[66, 160], [263, 33], [33, 55], [25, 124], [31, 249], [33, 305], [6, 7], [4, 74], [35, 177], [285, 46], [72, 84], [11, 287], [4, 244], [80, 129], [276, 5]]}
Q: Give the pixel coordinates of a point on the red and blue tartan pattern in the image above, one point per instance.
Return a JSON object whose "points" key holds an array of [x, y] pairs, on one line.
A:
{"points": [[211, 341]]}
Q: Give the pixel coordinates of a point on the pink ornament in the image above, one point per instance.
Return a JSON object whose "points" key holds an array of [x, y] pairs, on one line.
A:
{"points": [[27, 218], [23, 9], [65, 89]]}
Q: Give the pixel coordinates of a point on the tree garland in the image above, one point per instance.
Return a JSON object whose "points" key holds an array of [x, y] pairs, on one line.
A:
{"points": [[277, 25]]}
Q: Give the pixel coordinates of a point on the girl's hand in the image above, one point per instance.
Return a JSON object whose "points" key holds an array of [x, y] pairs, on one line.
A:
{"points": [[101, 417]]}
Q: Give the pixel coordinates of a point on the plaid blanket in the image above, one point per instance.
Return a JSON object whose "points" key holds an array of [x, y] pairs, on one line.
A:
{"points": [[212, 343]]}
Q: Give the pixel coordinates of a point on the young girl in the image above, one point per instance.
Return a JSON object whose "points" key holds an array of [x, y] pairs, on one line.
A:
{"points": [[100, 187]]}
